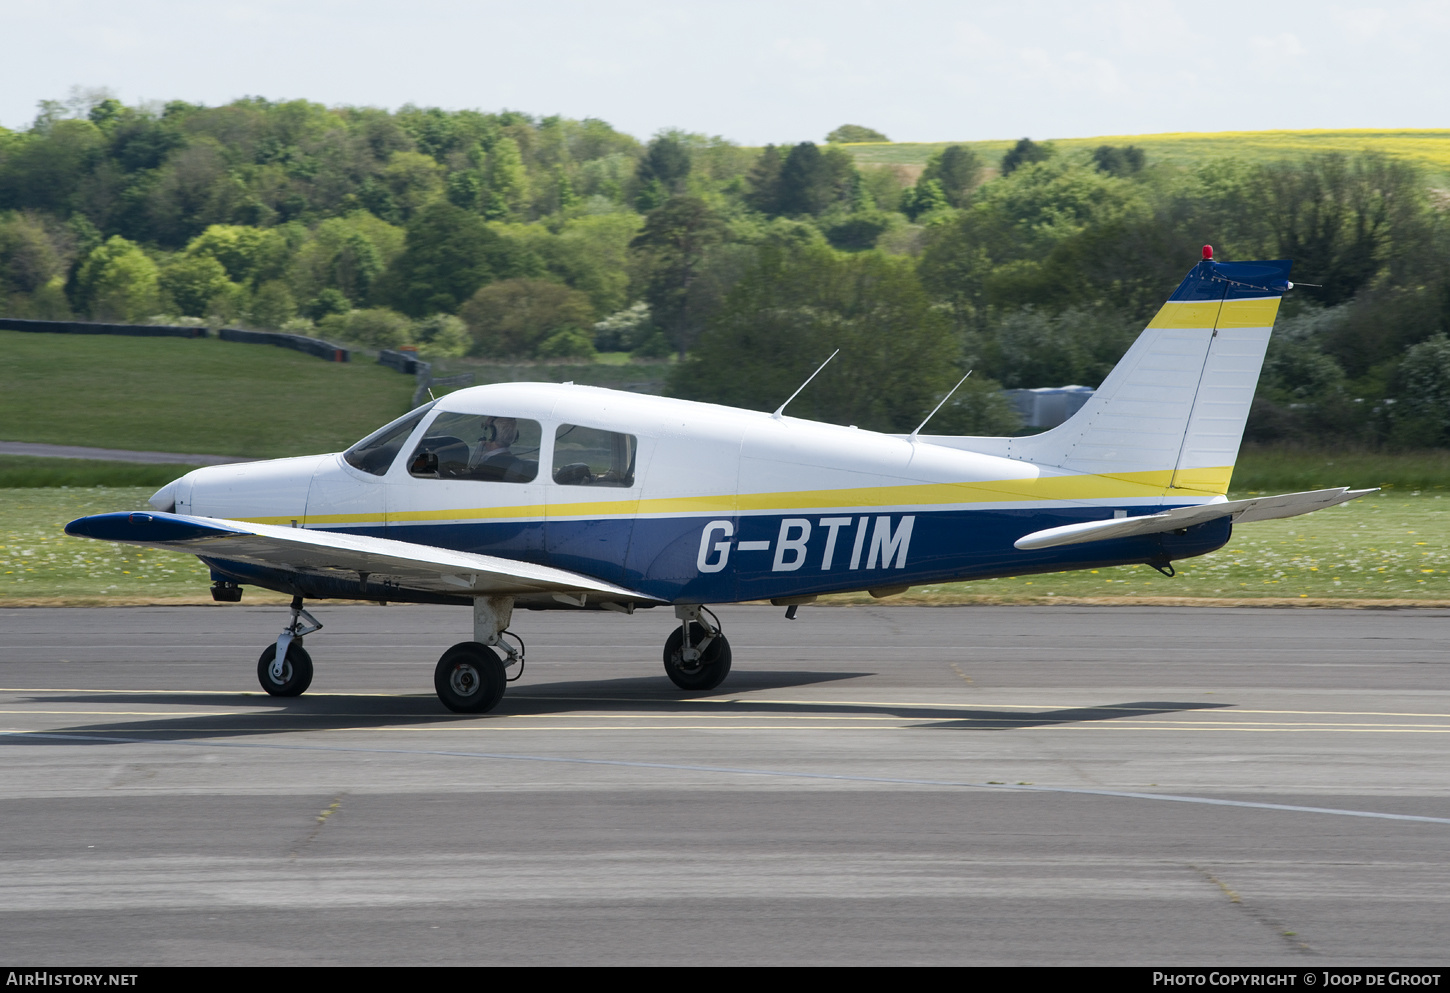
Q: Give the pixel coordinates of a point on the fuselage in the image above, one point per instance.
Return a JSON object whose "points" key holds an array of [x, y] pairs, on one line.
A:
{"points": [[693, 503]]}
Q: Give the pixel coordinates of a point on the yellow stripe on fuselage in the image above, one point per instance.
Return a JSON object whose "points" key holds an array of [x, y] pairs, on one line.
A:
{"points": [[1258, 313], [1128, 485]]}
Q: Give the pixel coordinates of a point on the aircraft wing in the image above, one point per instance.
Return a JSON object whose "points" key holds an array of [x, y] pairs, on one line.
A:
{"points": [[329, 553], [1242, 511]]}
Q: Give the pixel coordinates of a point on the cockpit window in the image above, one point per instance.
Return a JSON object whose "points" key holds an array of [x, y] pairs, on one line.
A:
{"points": [[593, 457], [491, 447], [376, 452]]}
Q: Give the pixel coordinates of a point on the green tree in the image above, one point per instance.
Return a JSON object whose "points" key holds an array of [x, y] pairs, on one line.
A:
{"points": [[414, 180], [346, 254], [1012, 247], [1025, 152], [118, 282], [30, 256], [443, 335], [356, 266], [189, 193], [978, 407], [763, 181], [673, 248], [193, 282], [249, 255], [924, 198], [1337, 217], [464, 188], [666, 164], [847, 133], [589, 253], [811, 181], [1117, 161], [271, 305], [327, 303], [793, 309], [506, 182], [1029, 347], [377, 327], [513, 318], [43, 169], [1421, 414], [859, 232], [956, 168], [448, 255]]}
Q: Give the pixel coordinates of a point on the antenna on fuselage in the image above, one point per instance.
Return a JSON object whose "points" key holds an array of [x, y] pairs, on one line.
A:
{"points": [[940, 405], [797, 393]]}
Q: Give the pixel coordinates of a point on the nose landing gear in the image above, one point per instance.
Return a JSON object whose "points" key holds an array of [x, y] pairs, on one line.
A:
{"points": [[285, 668]]}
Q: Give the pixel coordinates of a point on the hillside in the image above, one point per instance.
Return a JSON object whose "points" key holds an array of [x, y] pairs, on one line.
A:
{"points": [[1429, 149], [509, 240]]}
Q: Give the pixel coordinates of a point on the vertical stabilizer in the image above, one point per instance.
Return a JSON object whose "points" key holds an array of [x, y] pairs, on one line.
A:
{"points": [[1172, 411]]}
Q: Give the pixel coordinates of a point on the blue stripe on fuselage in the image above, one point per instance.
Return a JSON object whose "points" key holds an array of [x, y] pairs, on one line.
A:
{"points": [[661, 557]]}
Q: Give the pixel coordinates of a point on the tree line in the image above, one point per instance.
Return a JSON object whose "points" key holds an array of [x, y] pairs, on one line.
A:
{"points": [[508, 236]]}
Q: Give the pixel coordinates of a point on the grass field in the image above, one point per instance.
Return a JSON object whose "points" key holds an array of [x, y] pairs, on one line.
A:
{"points": [[24, 472], [1386, 548], [1429, 149], [189, 395], [1275, 469], [208, 396]]}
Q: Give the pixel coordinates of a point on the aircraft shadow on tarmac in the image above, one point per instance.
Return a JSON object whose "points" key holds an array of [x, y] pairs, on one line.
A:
{"points": [[255, 714]]}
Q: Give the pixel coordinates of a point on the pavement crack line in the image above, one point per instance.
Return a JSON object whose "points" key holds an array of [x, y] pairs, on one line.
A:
{"points": [[322, 817], [1281, 932], [729, 771]]}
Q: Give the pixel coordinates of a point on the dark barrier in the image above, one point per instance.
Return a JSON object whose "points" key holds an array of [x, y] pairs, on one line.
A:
{"points": [[312, 346], [407, 362], [85, 327]]}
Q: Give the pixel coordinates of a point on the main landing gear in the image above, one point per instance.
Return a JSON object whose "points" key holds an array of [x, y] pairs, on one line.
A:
{"points": [[470, 677], [697, 656]]}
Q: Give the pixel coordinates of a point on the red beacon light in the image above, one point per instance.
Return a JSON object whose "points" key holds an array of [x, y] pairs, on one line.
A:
{"points": [[1208, 253]]}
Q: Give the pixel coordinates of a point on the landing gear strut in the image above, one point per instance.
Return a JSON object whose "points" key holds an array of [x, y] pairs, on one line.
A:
{"points": [[697, 656], [471, 676], [285, 668]]}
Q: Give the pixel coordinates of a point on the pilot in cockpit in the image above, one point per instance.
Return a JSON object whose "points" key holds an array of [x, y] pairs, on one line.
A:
{"points": [[495, 449]]}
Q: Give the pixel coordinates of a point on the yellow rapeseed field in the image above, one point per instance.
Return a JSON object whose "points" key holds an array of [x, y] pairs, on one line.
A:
{"points": [[1428, 149]]}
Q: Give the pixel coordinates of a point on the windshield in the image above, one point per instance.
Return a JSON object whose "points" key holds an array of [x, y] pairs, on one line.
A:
{"points": [[376, 452]]}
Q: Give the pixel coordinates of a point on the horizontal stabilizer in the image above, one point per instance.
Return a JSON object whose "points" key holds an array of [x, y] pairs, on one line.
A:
{"points": [[1242, 511], [331, 554]]}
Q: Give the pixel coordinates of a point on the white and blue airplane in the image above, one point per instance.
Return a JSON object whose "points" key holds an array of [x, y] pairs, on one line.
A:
{"points": [[540, 495]]}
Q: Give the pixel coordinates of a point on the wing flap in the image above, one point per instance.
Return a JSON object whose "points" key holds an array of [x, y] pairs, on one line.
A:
{"points": [[1242, 511], [330, 553]]}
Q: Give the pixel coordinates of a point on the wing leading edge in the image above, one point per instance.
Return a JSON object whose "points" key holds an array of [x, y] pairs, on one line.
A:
{"points": [[331, 554], [1242, 511]]}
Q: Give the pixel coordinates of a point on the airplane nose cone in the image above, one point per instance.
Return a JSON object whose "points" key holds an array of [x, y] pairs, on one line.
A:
{"points": [[164, 499]]}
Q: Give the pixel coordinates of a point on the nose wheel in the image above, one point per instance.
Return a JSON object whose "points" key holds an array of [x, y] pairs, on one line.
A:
{"points": [[285, 668], [292, 677]]}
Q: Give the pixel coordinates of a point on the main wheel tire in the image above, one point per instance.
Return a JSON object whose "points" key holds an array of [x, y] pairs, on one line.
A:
{"points": [[470, 678], [296, 671], [705, 674]]}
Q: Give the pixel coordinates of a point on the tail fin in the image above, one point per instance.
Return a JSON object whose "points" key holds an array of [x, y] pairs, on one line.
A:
{"points": [[1172, 411]]}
